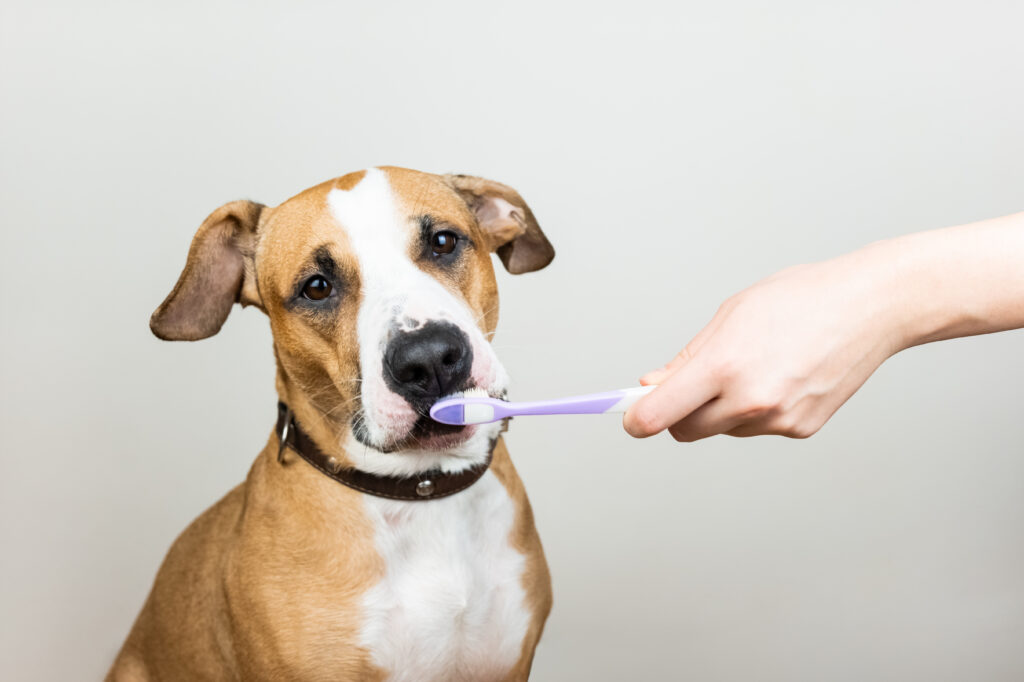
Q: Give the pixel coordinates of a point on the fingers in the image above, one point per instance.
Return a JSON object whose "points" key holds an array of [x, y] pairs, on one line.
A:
{"points": [[682, 392], [715, 417]]}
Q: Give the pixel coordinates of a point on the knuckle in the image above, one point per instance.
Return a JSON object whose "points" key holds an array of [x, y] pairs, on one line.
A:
{"points": [[682, 435], [760, 402], [798, 432], [731, 302], [793, 427], [724, 370], [752, 411], [804, 430]]}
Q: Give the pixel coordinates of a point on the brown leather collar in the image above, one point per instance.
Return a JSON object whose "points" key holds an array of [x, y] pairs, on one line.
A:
{"points": [[430, 485]]}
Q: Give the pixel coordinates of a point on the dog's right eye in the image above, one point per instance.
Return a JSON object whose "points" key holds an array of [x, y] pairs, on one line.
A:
{"points": [[316, 288]]}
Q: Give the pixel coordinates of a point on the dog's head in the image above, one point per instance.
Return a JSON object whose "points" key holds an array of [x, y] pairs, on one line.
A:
{"points": [[381, 297]]}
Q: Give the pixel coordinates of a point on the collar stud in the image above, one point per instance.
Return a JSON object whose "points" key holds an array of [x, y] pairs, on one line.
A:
{"points": [[425, 488]]}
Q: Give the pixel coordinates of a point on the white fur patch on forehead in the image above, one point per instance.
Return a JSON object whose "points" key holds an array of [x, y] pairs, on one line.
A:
{"points": [[369, 215]]}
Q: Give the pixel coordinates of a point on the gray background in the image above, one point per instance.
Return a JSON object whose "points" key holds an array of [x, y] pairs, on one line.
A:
{"points": [[674, 154]]}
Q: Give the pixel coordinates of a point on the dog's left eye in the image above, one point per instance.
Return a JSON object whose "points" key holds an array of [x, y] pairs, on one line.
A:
{"points": [[316, 288], [443, 242]]}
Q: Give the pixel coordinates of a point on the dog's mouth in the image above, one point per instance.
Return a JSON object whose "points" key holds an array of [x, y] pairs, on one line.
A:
{"points": [[426, 428], [425, 434]]}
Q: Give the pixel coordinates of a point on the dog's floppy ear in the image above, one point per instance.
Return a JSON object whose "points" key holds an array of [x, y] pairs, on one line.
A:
{"points": [[219, 271], [511, 229]]}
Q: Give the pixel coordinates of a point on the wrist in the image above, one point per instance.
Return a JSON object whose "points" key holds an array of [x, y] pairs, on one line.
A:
{"points": [[898, 303], [914, 312]]}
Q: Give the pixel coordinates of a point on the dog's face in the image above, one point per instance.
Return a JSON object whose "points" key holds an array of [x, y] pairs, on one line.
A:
{"points": [[380, 292]]}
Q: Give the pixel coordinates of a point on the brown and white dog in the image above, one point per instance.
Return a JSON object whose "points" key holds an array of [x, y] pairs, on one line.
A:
{"points": [[382, 298]]}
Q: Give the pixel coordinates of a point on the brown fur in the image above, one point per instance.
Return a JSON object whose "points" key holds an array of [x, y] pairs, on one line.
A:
{"points": [[265, 585]]}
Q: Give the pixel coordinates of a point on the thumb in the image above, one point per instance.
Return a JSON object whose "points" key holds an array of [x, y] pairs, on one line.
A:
{"points": [[682, 392]]}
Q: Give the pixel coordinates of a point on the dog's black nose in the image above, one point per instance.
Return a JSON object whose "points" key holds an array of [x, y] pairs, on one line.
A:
{"points": [[429, 362]]}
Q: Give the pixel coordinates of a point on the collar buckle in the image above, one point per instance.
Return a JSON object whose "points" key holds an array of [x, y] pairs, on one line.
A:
{"points": [[282, 437]]}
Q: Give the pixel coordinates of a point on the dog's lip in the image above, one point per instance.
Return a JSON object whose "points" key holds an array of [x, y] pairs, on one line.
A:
{"points": [[430, 435]]}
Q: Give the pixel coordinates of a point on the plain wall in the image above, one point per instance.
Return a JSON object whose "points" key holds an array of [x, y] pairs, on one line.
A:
{"points": [[675, 153]]}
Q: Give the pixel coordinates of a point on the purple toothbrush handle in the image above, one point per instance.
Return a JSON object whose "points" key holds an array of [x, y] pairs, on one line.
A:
{"points": [[594, 403]]}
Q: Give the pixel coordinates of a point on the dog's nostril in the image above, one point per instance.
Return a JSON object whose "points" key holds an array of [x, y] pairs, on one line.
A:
{"points": [[450, 358], [411, 374]]}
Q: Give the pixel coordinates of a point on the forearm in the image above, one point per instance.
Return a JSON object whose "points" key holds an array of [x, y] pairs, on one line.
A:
{"points": [[953, 282]]}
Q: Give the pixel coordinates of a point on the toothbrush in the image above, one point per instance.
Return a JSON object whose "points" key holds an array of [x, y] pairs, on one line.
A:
{"points": [[476, 409]]}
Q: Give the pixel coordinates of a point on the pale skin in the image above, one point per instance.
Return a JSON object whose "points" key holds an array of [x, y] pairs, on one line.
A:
{"points": [[782, 356]]}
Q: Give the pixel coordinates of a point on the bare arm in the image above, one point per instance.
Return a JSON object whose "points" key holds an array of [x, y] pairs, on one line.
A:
{"points": [[782, 356]]}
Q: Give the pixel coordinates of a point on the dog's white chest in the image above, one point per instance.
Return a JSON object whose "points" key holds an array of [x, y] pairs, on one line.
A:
{"points": [[451, 603]]}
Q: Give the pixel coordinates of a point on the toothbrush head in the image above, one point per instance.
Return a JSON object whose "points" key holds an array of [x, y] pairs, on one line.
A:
{"points": [[467, 409], [450, 411]]}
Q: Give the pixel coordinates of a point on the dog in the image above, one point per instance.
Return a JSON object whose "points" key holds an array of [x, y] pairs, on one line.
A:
{"points": [[367, 542]]}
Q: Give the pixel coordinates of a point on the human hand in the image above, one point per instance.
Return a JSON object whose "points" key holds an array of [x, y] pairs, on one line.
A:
{"points": [[784, 355], [780, 357]]}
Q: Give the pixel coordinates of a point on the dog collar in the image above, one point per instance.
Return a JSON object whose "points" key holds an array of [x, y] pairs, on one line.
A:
{"points": [[429, 485]]}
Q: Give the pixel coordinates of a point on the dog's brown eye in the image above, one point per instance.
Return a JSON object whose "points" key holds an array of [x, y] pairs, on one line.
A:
{"points": [[443, 242], [316, 288]]}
